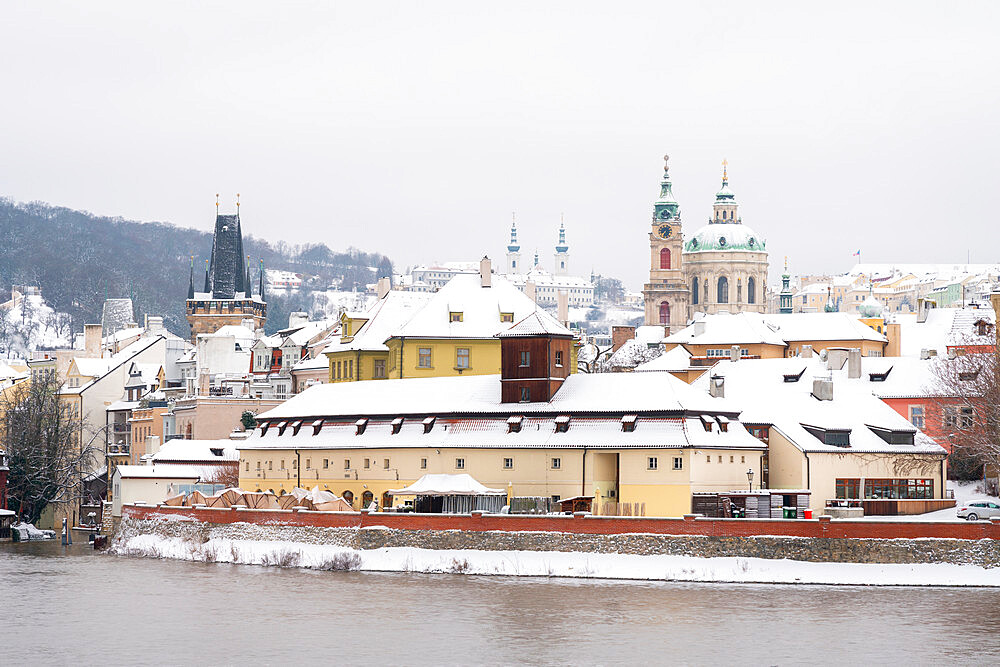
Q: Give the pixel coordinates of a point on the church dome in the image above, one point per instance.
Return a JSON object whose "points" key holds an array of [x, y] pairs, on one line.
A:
{"points": [[725, 236]]}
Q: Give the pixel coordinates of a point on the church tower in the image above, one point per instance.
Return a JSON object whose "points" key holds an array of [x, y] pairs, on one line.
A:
{"points": [[513, 251], [227, 297], [560, 265], [666, 296], [785, 296]]}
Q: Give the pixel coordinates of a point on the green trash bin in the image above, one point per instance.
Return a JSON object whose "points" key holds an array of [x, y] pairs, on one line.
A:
{"points": [[788, 512]]}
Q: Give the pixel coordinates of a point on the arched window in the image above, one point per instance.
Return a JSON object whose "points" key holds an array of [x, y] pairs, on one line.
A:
{"points": [[366, 499], [723, 291], [694, 291], [665, 312], [665, 258], [751, 290], [739, 290]]}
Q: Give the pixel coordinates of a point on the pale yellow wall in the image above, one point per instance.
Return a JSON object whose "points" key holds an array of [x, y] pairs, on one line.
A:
{"points": [[867, 346], [665, 491], [151, 491], [786, 463], [825, 469], [762, 350]]}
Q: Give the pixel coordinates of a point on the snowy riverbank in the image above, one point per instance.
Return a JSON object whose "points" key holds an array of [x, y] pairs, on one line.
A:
{"points": [[557, 564]]}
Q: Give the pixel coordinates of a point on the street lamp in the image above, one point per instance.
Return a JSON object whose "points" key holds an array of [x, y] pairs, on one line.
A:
{"points": [[750, 478]]}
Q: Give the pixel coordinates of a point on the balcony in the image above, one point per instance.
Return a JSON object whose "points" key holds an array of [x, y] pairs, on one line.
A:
{"points": [[119, 450]]}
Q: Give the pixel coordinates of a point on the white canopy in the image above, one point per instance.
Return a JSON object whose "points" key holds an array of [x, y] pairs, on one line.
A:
{"points": [[447, 485]]}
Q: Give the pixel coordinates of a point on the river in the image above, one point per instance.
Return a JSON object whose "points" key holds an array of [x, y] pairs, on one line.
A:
{"points": [[72, 605]]}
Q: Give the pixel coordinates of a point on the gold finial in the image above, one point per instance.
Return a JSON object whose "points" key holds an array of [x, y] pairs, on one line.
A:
{"points": [[786, 263], [666, 159], [237, 200], [216, 201], [725, 171]]}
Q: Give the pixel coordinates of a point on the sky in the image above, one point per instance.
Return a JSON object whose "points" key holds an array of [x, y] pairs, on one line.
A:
{"points": [[417, 129]]}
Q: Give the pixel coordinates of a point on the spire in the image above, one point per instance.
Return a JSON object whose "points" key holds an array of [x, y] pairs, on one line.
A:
{"points": [[261, 290], [513, 246], [247, 281], [208, 285], [191, 280], [666, 207], [561, 247], [536, 257], [725, 172], [785, 297]]}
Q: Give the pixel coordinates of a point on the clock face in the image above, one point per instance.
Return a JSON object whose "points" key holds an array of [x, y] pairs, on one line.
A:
{"points": [[664, 231]]}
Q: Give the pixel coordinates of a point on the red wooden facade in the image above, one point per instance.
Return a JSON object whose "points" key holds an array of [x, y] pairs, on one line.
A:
{"points": [[532, 368]]}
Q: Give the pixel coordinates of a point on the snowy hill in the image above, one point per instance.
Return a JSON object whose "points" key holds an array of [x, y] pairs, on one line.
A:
{"points": [[27, 323]]}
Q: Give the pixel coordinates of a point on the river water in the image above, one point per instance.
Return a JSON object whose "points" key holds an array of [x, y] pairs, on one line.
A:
{"points": [[71, 605]]}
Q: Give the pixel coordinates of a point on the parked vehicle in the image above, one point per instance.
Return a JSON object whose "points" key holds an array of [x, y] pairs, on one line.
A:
{"points": [[981, 509]]}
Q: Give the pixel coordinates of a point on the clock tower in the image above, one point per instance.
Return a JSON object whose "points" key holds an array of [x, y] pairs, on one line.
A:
{"points": [[666, 296]]}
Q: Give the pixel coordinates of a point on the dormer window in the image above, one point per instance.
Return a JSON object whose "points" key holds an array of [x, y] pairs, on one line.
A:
{"points": [[723, 423], [968, 376], [263, 428], [216, 451], [514, 424], [628, 423], [838, 437], [317, 426], [506, 317], [281, 427], [794, 377], [893, 436], [879, 377], [296, 426], [562, 423], [455, 316], [397, 424], [707, 422], [429, 424], [360, 425]]}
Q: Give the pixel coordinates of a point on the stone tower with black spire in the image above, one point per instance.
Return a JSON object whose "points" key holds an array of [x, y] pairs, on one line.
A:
{"points": [[227, 297]]}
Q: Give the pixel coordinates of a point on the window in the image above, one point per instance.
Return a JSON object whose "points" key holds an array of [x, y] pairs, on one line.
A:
{"points": [[950, 417], [732, 459], [678, 463], [556, 463], [367, 464], [506, 317], [720, 458], [848, 488], [739, 290], [651, 463], [559, 359], [423, 464], [508, 463], [525, 358], [270, 465], [628, 423], [899, 488], [460, 464], [694, 291], [258, 465], [965, 418], [525, 394], [708, 458], [723, 290], [308, 464], [424, 357], [751, 290], [385, 464], [562, 424], [462, 357], [378, 371], [350, 372], [665, 312], [454, 317], [282, 467], [743, 459], [248, 466], [665, 258]]}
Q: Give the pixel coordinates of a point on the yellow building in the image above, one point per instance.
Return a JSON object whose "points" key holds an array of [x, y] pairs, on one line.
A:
{"points": [[637, 443], [448, 333]]}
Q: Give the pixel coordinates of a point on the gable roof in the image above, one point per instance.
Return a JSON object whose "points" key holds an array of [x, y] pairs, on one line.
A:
{"points": [[538, 323]]}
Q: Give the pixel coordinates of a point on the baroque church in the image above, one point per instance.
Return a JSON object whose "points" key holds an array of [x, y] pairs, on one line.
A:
{"points": [[227, 296], [722, 267]]}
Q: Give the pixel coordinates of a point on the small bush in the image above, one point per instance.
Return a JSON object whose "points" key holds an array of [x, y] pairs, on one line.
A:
{"points": [[458, 566], [280, 558], [342, 562]]}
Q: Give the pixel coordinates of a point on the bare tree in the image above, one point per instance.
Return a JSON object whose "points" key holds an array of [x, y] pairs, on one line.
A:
{"points": [[966, 410], [47, 459], [228, 475]]}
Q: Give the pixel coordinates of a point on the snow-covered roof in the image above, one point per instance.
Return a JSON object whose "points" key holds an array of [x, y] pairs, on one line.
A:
{"points": [[902, 377], [676, 359], [480, 309], [196, 451], [774, 329], [538, 323], [580, 392], [444, 484], [794, 327], [728, 236], [92, 367], [181, 472], [760, 388], [386, 315]]}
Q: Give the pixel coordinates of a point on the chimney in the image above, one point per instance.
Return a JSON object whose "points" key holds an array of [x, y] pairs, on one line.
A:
{"points": [[621, 335], [383, 287], [529, 290], [823, 389], [204, 382], [854, 363], [734, 353], [893, 332], [807, 351], [485, 272], [562, 307], [836, 357], [717, 386], [297, 319], [154, 325], [925, 353], [699, 328], [92, 339], [152, 444]]}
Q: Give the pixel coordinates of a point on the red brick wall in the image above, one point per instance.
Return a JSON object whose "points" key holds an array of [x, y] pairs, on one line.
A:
{"points": [[595, 525]]}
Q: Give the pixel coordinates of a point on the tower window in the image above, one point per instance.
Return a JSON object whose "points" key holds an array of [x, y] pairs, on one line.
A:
{"points": [[694, 291], [751, 290], [723, 291], [665, 313], [665, 258]]}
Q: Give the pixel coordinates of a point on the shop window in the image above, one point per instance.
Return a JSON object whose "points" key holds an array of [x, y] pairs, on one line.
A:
{"points": [[848, 488]]}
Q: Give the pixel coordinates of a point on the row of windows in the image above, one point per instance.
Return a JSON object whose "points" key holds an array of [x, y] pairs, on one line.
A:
{"points": [[907, 489], [722, 290], [555, 463]]}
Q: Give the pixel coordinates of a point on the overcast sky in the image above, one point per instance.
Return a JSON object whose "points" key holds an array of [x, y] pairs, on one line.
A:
{"points": [[415, 129]]}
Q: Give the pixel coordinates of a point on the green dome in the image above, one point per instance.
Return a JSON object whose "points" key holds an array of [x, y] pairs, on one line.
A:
{"points": [[725, 236], [870, 307]]}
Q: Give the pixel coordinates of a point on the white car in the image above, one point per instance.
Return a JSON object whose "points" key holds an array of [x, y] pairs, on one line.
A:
{"points": [[980, 509]]}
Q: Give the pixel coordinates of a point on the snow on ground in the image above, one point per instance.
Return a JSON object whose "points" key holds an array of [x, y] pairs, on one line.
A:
{"points": [[965, 492], [559, 564]]}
